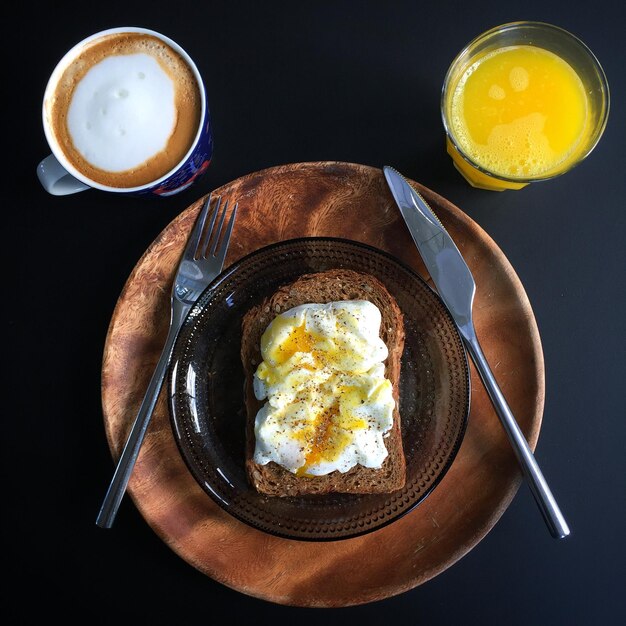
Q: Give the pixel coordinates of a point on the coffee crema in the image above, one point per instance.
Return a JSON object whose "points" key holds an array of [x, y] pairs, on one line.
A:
{"points": [[126, 110]]}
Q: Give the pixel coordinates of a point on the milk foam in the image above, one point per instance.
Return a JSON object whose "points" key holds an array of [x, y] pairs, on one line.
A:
{"points": [[122, 112]]}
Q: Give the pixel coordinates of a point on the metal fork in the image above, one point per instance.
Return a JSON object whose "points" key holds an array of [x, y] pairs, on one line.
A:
{"points": [[198, 266]]}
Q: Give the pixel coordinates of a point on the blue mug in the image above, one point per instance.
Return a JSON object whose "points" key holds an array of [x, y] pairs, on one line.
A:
{"points": [[59, 176]]}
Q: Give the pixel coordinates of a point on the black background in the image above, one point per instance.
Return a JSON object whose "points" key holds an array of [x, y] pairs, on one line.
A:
{"points": [[290, 82]]}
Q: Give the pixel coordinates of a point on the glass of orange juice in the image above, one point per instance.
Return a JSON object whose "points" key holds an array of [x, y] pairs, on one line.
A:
{"points": [[523, 102]]}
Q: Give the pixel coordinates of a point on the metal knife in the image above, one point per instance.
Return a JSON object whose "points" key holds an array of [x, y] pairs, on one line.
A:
{"points": [[456, 287]]}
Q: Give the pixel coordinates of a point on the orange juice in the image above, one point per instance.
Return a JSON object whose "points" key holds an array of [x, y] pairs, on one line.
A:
{"points": [[520, 112]]}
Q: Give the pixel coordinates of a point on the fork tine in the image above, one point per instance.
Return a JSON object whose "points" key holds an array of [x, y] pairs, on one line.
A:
{"points": [[229, 229], [209, 230], [196, 233], [219, 231]]}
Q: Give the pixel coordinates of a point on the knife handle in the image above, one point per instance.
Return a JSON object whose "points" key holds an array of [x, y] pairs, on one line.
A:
{"points": [[547, 504]]}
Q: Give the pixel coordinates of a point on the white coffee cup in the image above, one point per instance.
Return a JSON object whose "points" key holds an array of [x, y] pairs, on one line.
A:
{"points": [[125, 110]]}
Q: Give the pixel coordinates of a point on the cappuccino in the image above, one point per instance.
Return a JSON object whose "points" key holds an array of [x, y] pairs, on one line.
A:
{"points": [[125, 110]]}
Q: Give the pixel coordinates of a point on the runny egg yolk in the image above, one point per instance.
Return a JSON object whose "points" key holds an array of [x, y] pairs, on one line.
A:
{"points": [[328, 436], [298, 340]]}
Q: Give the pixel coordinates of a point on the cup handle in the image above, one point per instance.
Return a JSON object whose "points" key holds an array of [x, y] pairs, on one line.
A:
{"points": [[55, 178]]}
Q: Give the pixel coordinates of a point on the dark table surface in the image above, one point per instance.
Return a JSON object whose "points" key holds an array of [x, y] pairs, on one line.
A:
{"points": [[292, 82]]}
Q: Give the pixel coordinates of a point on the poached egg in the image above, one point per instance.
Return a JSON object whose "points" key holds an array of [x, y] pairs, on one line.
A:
{"points": [[328, 404]]}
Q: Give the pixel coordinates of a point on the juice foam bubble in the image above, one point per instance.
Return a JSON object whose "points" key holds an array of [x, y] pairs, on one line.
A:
{"points": [[518, 149], [519, 79]]}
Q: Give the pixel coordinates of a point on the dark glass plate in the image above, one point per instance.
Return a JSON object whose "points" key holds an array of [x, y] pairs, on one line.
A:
{"points": [[206, 385]]}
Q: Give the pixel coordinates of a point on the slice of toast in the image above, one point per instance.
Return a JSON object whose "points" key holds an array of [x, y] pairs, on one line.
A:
{"points": [[323, 287]]}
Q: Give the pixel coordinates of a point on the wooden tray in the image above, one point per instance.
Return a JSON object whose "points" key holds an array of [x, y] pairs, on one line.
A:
{"points": [[353, 202]]}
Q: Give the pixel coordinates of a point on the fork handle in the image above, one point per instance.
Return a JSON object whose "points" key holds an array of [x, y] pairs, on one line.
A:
{"points": [[543, 496], [127, 460]]}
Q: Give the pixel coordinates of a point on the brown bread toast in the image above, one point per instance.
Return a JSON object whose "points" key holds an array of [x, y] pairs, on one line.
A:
{"points": [[323, 287]]}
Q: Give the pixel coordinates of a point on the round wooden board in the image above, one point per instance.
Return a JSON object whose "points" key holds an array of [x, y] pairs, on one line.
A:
{"points": [[353, 202]]}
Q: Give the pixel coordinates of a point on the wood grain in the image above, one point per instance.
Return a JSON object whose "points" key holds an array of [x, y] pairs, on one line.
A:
{"points": [[350, 201]]}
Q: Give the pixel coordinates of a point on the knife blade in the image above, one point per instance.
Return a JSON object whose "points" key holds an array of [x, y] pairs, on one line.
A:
{"points": [[456, 287]]}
